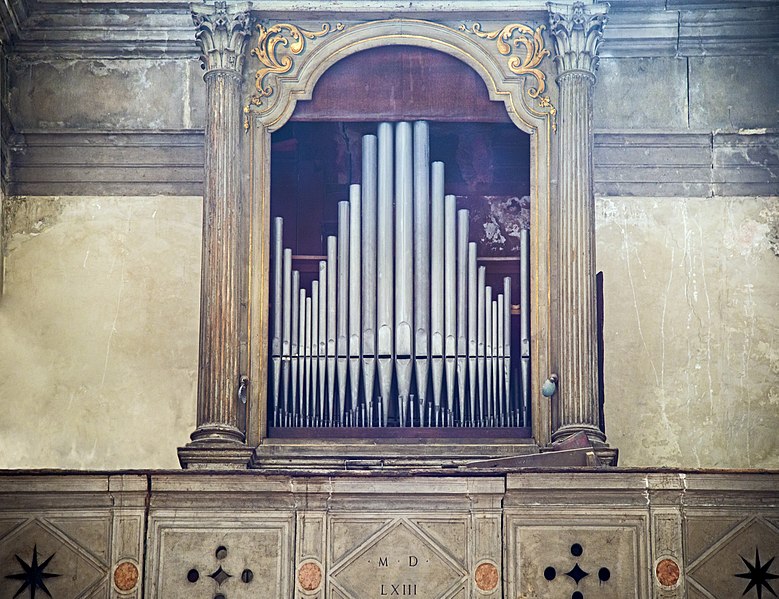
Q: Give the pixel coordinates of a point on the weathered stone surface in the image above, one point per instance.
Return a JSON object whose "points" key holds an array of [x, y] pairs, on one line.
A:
{"points": [[691, 288], [74, 533], [640, 94], [717, 571], [106, 94], [99, 331], [732, 92]]}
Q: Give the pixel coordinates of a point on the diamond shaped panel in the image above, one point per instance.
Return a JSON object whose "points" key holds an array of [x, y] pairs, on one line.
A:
{"points": [[400, 561], [717, 571], [77, 570]]}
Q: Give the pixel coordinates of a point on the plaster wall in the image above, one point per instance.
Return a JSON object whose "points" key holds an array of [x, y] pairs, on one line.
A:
{"points": [[691, 294], [98, 331], [98, 350]]}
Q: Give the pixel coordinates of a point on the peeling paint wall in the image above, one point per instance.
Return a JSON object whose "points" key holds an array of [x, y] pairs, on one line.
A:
{"points": [[98, 331], [691, 335]]}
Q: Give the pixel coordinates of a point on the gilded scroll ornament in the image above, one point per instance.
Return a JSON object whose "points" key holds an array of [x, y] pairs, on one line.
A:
{"points": [[512, 38], [271, 40]]}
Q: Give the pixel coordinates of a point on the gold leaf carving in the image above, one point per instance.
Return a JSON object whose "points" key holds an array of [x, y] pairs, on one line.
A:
{"points": [[271, 40], [525, 49]]}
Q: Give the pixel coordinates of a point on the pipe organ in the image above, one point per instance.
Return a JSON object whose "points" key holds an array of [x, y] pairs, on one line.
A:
{"points": [[399, 326]]}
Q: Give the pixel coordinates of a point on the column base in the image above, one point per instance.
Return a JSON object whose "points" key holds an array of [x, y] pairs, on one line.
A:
{"points": [[215, 447], [607, 456]]}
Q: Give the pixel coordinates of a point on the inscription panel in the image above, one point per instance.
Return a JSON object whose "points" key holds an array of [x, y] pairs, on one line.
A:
{"points": [[400, 559]]}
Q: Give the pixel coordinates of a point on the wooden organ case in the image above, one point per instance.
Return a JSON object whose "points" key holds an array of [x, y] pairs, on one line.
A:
{"points": [[397, 304]]}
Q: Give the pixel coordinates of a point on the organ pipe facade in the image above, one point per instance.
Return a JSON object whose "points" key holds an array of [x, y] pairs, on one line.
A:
{"points": [[399, 328]]}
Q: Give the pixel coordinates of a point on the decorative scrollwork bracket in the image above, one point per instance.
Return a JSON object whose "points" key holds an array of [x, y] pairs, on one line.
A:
{"points": [[525, 49], [277, 47]]}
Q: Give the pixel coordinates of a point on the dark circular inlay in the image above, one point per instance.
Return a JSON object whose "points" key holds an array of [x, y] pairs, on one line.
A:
{"points": [[604, 574], [577, 595], [247, 575], [576, 549], [550, 573], [219, 596], [221, 552], [193, 575]]}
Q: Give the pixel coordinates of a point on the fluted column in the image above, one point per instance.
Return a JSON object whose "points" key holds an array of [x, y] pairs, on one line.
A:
{"points": [[577, 32], [222, 35]]}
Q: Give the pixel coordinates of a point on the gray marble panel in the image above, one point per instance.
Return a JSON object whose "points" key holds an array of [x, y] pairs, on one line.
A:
{"points": [[732, 92], [100, 94], [641, 94], [746, 164]]}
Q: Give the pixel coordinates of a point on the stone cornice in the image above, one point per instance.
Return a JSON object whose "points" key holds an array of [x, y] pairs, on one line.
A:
{"points": [[163, 28], [577, 31]]}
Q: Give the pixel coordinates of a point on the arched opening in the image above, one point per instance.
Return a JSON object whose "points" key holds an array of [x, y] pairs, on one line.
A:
{"points": [[314, 158]]}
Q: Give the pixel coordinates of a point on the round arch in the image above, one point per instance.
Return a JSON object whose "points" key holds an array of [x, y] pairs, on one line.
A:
{"points": [[320, 47]]}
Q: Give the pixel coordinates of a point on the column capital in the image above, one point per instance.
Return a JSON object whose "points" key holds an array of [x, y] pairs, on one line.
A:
{"points": [[222, 33], [577, 30]]}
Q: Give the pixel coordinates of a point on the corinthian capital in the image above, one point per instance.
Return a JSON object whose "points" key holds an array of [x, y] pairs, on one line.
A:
{"points": [[577, 30], [222, 34]]}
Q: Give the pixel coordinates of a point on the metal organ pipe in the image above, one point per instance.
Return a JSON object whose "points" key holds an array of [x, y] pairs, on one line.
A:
{"points": [[384, 276], [331, 320], [437, 284], [286, 302], [421, 260], [294, 344], [404, 265], [463, 220], [342, 308], [354, 294], [400, 292], [369, 182]]}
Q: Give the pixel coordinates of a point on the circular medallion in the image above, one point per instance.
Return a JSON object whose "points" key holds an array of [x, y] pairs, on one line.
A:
{"points": [[486, 576], [667, 572], [310, 576], [125, 576]]}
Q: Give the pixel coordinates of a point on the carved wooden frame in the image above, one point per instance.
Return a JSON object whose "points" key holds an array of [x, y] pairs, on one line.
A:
{"points": [[493, 50]]}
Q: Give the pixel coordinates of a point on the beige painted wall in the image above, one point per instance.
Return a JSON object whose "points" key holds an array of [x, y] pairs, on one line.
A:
{"points": [[98, 331], [691, 335]]}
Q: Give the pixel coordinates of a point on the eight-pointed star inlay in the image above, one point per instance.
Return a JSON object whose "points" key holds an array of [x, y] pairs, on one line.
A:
{"points": [[34, 575], [758, 575]]}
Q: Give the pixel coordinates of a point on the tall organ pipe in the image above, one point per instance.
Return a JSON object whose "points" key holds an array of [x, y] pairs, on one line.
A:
{"points": [[305, 404], [384, 276], [322, 340], [331, 322], [286, 301], [450, 300], [369, 191], [507, 345], [314, 345], [463, 218], [524, 320], [488, 352], [275, 344], [294, 345], [342, 308], [472, 318], [480, 345], [437, 283], [404, 264], [499, 389], [354, 293], [422, 259]]}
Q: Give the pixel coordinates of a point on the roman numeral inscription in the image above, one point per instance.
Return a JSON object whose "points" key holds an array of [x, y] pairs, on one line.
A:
{"points": [[400, 562]]}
